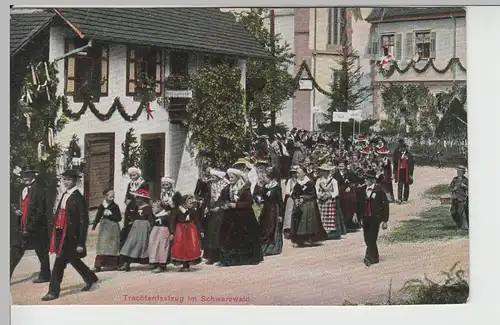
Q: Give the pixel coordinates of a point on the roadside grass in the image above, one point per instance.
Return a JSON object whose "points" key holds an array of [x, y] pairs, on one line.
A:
{"points": [[437, 191], [434, 224]]}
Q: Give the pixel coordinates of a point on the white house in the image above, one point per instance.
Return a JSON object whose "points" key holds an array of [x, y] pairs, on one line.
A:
{"points": [[128, 44], [434, 36]]}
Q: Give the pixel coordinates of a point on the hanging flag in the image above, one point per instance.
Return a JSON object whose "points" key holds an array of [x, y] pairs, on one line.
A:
{"points": [[416, 58], [33, 75], [386, 62], [149, 111], [50, 137], [47, 75], [28, 120]]}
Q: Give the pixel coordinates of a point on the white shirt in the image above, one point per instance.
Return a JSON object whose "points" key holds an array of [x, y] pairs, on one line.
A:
{"points": [[26, 189], [369, 191], [67, 195]]}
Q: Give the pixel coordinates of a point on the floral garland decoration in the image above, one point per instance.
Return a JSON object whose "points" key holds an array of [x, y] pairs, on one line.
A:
{"points": [[298, 76], [430, 64], [116, 106]]}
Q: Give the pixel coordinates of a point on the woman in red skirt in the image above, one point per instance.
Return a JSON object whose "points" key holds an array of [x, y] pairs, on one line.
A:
{"points": [[186, 246]]}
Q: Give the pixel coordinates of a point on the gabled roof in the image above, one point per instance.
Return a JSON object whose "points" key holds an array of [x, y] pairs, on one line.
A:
{"points": [[192, 29], [24, 26], [395, 13]]}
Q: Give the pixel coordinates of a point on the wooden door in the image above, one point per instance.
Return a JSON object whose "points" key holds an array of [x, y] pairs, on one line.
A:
{"points": [[153, 165], [100, 166]]}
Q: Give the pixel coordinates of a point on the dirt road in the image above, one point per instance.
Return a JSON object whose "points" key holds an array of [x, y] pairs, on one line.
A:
{"points": [[326, 275]]}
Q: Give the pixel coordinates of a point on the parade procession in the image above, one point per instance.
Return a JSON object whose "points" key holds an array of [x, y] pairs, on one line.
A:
{"points": [[226, 154]]}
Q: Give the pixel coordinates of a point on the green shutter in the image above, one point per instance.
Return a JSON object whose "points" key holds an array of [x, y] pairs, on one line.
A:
{"points": [[433, 46], [398, 47], [375, 46], [410, 49]]}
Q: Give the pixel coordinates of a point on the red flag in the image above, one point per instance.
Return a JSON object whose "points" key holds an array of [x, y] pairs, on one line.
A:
{"points": [[150, 112]]}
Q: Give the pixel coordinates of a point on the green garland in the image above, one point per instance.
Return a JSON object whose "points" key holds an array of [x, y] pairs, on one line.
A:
{"points": [[430, 64], [116, 106], [298, 76]]}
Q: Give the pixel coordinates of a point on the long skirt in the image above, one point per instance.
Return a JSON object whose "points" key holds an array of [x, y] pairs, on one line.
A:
{"points": [[348, 202], [240, 244], [135, 249], [271, 236], [108, 244], [159, 244], [287, 219], [329, 218], [306, 223], [186, 245], [211, 242]]}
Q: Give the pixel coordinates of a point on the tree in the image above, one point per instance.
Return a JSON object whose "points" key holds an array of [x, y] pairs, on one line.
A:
{"points": [[131, 151], [346, 89], [33, 123], [268, 83], [215, 118]]}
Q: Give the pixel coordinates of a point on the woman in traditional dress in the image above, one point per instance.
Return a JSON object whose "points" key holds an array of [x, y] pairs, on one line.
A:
{"points": [[167, 193], [347, 184], [186, 249], [288, 201], [327, 190], [136, 183], [240, 244], [271, 215], [135, 248], [306, 219], [108, 239], [159, 239], [211, 240]]}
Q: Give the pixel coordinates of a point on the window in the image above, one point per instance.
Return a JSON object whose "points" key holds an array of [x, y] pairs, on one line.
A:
{"points": [[143, 63], [425, 43], [213, 60], [179, 63], [87, 71], [388, 44], [336, 25]]}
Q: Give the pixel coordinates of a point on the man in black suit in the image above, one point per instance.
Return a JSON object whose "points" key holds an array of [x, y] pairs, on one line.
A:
{"points": [[69, 235], [33, 222], [373, 207], [404, 166]]}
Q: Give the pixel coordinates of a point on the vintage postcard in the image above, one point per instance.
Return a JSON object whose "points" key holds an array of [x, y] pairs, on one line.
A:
{"points": [[252, 156]]}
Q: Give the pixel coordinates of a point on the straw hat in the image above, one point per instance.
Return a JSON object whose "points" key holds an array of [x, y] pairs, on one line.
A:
{"points": [[326, 167], [167, 180], [235, 171]]}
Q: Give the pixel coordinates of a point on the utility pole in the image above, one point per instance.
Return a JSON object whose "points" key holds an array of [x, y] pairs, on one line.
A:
{"points": [[273, 50]]}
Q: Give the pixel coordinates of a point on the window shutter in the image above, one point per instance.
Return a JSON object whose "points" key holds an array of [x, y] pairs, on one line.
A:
{"points": [[131, 76], [335, 26], [70, 68], [375, 46], [104, 71], [433, 46], [410, 51], [330, 25], [159, 73], [398, 47], [96, 74]]}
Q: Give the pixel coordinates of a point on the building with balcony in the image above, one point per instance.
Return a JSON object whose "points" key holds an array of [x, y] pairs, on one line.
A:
{"points": [[128, 45]]}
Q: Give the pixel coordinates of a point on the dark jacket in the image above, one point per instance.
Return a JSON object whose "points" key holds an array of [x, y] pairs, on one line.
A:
{"points": [[411, 164], [36, 220], [115, 210], [77, 225], [379, 205]]}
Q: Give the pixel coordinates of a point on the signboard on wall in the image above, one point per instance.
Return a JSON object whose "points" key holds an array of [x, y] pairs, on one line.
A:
{"points": [[356, 114], [340, 117], [179, 93], [305, 84]]}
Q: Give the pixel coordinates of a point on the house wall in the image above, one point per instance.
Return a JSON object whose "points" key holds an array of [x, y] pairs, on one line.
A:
{"points": [[445, 45], [178, 163]]}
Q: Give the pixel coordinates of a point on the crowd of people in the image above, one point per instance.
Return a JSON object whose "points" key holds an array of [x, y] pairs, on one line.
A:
{"points": [[304, 187]]}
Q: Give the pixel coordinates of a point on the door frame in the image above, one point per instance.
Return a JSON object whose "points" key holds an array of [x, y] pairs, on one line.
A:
{"points": [[157, 136], [98, 137]]}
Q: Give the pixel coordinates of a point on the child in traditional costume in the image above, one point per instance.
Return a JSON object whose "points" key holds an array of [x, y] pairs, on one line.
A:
{"points": [[159, 239], [135, 248], [327, 190], [108, 239], [186, 245], [289, 185], [136, 183]]}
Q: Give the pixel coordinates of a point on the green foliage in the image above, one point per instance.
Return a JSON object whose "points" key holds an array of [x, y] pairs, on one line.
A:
{"points": [[431, 225], [43, 116], [413, 104], [453, 290], [131, 151], [346, 90], [444, 99], [348, 126], [268, 83], [215, 118], [281, 128], [437, 191]]}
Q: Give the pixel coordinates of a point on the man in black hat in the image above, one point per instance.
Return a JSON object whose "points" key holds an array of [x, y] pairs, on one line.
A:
{"points": [[404, 166], [69, 236], [459, 188], [33, 222], [373, 209]]}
